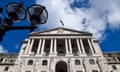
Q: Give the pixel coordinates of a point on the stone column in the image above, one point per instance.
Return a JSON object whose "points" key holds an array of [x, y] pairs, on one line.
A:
{"points": [[70, 47], [27, 47], [42, 48], [90, 46], [31, 46], [55, 46], [4, 59], [78, 45], [82, 47], [39, 47], [66, 46], [51, 46]]}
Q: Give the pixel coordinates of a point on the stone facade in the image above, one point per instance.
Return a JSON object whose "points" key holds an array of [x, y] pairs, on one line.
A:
{"points": [[7, 61], [60, 50], [113, 60]]}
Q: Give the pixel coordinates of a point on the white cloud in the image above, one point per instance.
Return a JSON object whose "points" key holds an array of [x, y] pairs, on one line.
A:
{"points": [[96, 17], [2, 50], [112, 7]]}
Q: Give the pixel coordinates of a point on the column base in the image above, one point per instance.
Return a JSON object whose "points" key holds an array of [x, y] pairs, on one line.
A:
{"points": [[43, 54], [38, 55], [69, 54], [53, 54]]}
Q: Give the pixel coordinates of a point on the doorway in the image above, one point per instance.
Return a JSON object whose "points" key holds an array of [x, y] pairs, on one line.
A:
{"points": [[61, 67]]}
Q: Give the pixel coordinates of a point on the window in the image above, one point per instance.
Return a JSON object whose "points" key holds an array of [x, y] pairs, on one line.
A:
{"points": [[118, 58], [108, 59], [6, 68], [30, 62], [94, 70], [27, 71], [114, 67], [91, 61], [79, 71], [44, 62], [11, 60], [77, 62], [1, 59], [43, 71]]}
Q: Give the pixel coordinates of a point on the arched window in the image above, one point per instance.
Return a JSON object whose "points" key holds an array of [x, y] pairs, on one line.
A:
{"points": [[91, 61], [30, 62]]}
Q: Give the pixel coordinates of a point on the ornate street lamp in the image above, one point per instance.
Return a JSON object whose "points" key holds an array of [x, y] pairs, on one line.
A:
{"points": [[15, 11], [36, 14]]}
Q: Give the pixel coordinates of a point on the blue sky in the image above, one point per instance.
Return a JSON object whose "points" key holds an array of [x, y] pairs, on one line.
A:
{"points": [[96, 16]]}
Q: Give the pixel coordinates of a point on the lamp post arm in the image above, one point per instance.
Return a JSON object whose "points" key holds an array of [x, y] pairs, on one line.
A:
{"points": [[7, 28]]}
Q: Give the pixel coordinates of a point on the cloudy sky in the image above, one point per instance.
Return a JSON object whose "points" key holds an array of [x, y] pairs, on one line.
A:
{"points": [[100, 17]]}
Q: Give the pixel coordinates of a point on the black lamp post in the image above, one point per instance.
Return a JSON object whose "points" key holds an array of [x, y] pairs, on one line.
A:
{"points": [[36, 14]]}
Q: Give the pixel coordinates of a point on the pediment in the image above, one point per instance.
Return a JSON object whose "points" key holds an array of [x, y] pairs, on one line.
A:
{"points": [[61, 31]]}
